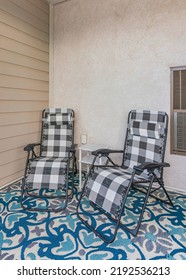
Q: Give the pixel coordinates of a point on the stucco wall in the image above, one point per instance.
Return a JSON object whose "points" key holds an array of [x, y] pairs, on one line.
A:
{"points": [[111, 56]]}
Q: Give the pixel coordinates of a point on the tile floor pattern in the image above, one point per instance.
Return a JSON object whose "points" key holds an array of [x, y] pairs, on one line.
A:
{"points": [[61, 236]]}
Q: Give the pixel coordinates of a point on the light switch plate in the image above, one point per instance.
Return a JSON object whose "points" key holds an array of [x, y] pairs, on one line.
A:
{"points": [[83, 139]]}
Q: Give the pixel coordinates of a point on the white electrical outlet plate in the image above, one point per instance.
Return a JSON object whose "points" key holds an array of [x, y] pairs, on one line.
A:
{"points": [[83, 139]]}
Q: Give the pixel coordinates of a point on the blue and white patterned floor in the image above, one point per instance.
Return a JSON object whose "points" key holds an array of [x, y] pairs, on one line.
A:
{"points": [[61, 236]]}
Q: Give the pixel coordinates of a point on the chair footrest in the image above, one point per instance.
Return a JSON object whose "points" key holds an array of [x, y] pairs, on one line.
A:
{"points": [[47, 172]]}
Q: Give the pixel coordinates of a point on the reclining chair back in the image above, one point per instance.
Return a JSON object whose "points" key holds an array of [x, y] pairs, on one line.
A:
{"points": [[145, 139], [57, 132]]}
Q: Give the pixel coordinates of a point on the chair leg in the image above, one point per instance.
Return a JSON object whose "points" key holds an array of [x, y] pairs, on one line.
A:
{"points": [[94, 230], [161, 183], [136, 229], [78, 206], [117, 223], [74, 170], [64, 198], [26, 195]]}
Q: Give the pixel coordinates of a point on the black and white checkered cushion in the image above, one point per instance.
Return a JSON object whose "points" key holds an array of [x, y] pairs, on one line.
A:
{"points": [[107, 186], [144, 143], [47, 173], [57, 132]]}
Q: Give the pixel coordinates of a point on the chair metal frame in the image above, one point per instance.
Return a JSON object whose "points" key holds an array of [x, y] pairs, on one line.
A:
{"points": [[70, 172], [141, 186]]}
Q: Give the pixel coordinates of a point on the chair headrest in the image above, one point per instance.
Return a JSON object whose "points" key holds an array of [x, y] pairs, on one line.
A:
{"points": [[58, 119], [146, 129]]}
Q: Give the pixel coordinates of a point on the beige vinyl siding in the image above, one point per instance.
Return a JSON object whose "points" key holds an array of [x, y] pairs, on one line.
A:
{"points": [[24, 80]]}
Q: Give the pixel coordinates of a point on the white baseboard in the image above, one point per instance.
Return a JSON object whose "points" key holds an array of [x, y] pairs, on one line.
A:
{"points": [[10, 183], [176, 189]]}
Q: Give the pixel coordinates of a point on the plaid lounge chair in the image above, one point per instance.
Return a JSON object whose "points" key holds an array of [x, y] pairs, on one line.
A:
{"points": [[50, 171], [107, 187]]}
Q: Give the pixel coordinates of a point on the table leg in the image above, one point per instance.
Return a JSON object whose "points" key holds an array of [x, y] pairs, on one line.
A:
{"points": [[80, 171]]}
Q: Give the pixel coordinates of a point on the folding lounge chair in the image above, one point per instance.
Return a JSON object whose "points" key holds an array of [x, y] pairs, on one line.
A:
{"points": [[47, 175], [108, 187]]}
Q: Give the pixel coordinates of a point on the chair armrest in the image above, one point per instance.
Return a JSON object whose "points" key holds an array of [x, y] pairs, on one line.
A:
{"points": [[31, 146], [150, 166], [105, 152], [72, 149]]}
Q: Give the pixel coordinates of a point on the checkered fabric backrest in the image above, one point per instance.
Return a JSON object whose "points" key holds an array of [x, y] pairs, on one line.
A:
{"points": [[146, 138], [57, 134]]}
